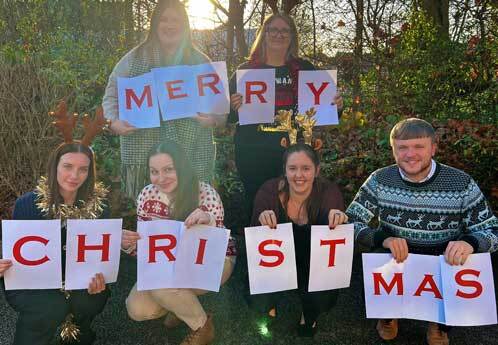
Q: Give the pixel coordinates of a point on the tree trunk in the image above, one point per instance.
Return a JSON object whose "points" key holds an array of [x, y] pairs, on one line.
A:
{"points": [[358, 53], [230, 33], [128, 22], [239, 28], [438, 11]]}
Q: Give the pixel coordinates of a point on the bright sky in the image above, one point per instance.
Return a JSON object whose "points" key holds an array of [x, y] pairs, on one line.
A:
{"points": [[201, 13]]}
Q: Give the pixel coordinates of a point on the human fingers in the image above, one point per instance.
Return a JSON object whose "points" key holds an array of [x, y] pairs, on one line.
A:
{"points": [[268, 218], [403, 249], [4, 265], [100, 282], [236, 101], [121, 127], [400, 249], [129, 238], [452, 254], [337, 217], [92, 287], [273, 220], [205, 120], [393, 246]]}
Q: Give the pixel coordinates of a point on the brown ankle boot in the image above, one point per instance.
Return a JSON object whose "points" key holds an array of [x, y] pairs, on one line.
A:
{"points": [[171, 320], [435, 336], [387, 329], [201, 336]]}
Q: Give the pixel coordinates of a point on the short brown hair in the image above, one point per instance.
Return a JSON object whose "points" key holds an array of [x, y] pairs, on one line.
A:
{"points": [[412, 128]]}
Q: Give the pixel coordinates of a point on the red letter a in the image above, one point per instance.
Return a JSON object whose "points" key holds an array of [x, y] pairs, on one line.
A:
{"points": [[428, 279]]}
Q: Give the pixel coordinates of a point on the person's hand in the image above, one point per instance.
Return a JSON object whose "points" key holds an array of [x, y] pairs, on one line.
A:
{"points": [[338, 100], [97, 285], [457, 252], [336, 217], [129, 239], [398, 248], [210, 120], [236, 101], [121, 127], [4, 266], [268, 218], [197, 216]]}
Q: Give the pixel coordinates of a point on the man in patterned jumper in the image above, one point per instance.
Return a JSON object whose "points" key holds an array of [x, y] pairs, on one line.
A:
{"points": [[423, 207]]}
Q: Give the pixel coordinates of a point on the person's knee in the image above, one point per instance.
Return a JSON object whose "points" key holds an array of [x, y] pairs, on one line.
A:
{"points": [[44, 321], [228, 269], [138, 312]]}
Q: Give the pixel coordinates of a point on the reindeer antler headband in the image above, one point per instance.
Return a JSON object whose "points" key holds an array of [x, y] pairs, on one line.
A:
{"points": [[305, 122], [66, 124]]}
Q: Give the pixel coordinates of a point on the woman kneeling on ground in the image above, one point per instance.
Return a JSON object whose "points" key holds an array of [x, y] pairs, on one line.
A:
{"points": [[68, 192], [304, 198], [177, 190]]}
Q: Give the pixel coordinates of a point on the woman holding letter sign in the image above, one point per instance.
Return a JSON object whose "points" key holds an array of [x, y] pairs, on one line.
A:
{"points": [[168, 43], [258, 154], [302, 197], [176, 193], [69, 191]]}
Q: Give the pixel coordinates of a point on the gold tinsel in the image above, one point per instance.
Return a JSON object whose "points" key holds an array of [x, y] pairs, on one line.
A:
{"points": [[305, 122], [90, 209], [69, 330]]}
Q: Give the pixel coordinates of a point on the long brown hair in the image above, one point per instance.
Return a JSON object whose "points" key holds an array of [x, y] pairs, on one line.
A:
{"points": [[187, 48], [314, 200], [258, 49], [187, 192], [86, 189]]}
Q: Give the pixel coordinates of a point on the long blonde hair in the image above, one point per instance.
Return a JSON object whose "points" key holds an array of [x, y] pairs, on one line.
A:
{"points": [[258, 49]]}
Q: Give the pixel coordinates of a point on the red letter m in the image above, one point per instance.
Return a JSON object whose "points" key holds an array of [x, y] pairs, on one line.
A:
{"points": [[396, 281], [130, 94]]}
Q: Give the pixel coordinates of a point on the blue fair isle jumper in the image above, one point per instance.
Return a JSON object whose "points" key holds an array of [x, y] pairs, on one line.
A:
{"points": [[448, 206]]}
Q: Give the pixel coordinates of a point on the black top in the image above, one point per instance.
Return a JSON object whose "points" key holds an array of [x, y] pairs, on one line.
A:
{"points": [[26, 209], [285, 99]]}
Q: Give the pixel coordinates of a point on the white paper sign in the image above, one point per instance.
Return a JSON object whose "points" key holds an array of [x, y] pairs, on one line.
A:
{"points": [[201, 258], [257, 87], [317, 90], [331, 257], [212, 88], [137, 101], [92, 246], [175, 90], [156, 253], [34, 247], [271, 259], [469, 295], [383, 282], [423, 295]]}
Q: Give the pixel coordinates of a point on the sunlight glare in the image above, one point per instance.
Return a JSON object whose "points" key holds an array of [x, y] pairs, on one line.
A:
{"points": [[201, 13]]}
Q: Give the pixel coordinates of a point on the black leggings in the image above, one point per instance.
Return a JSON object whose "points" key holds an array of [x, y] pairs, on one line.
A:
{"points": [[313, 303], [42, 311]]}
